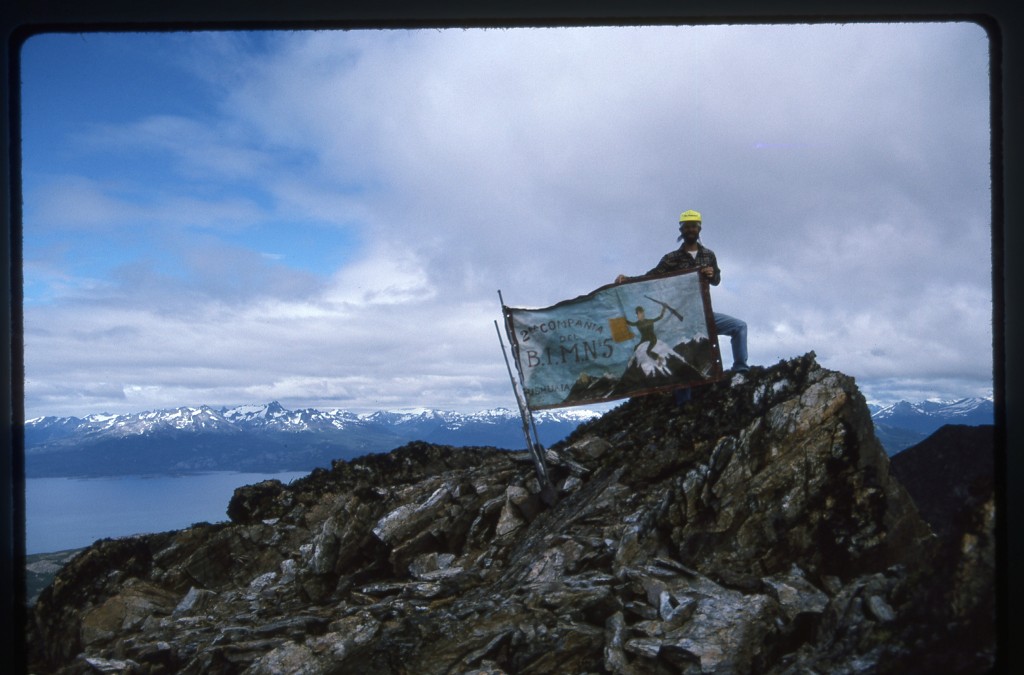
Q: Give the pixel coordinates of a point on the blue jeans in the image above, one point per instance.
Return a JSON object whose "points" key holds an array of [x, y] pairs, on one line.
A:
{"points": [[736, 329]]}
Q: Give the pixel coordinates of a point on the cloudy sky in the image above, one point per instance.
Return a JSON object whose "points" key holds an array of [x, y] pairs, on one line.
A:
{"points": [[326, 218]]}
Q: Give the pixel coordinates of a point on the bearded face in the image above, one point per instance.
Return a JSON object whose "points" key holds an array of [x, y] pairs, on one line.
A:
{"points": [[689, 231]]}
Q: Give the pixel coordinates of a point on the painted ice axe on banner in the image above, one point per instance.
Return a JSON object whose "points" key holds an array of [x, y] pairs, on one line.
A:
{"points": [[621, 340]]}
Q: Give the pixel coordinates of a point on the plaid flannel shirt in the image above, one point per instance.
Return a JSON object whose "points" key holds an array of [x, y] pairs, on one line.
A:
{"points": [[679, 260]]}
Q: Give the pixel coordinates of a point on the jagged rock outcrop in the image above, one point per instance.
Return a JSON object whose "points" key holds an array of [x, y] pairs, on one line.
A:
{"points": [[756, 528]]}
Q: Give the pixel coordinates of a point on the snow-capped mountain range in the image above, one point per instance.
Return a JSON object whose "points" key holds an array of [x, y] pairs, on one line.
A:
{"points": [[903, 424], [269, 437], [266, 437], [274, 417]]}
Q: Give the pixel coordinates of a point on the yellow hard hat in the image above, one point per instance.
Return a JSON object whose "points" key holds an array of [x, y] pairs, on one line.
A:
{"points": [[689, 216]]}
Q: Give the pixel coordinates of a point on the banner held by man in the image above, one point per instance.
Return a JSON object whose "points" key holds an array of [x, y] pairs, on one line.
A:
{"points": [[621, 340]]}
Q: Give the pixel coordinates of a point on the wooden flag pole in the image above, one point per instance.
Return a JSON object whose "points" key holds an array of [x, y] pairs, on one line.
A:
{"points": [[533, 444]]}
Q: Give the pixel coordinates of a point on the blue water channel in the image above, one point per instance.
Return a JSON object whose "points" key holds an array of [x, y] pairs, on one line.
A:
{"points": [[70, 513]]}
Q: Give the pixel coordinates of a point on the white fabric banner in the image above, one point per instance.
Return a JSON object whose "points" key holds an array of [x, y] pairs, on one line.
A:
{"points": [[621, 340]]}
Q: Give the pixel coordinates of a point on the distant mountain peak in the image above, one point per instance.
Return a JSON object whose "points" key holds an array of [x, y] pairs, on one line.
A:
{"points": [[902, 424], [937, 408], [263, 437], [268, 436]]}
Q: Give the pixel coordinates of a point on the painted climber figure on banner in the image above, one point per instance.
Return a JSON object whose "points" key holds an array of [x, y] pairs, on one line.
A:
{"points": [[645, 327], [658, 353]]}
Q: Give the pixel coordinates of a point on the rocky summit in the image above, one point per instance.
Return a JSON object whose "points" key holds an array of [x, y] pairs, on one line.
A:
{"points": [[756, 528]]}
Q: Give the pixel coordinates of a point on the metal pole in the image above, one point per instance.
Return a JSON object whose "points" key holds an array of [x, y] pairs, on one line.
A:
{"points": [[521, 390], [515, 390], [533, 445]]}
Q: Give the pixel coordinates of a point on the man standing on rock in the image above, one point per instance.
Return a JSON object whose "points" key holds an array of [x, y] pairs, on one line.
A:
{"points": [[692, 254]]}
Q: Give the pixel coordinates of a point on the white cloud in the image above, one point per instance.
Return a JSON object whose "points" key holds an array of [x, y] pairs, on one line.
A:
{"points": [[391, 276], [842, 170]]}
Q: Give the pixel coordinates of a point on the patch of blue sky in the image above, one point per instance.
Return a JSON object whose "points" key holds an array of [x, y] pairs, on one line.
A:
{"points": [[103, 78], [306, 246], [80, 90], [64, 261], [69, 265], [133, 104]]}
